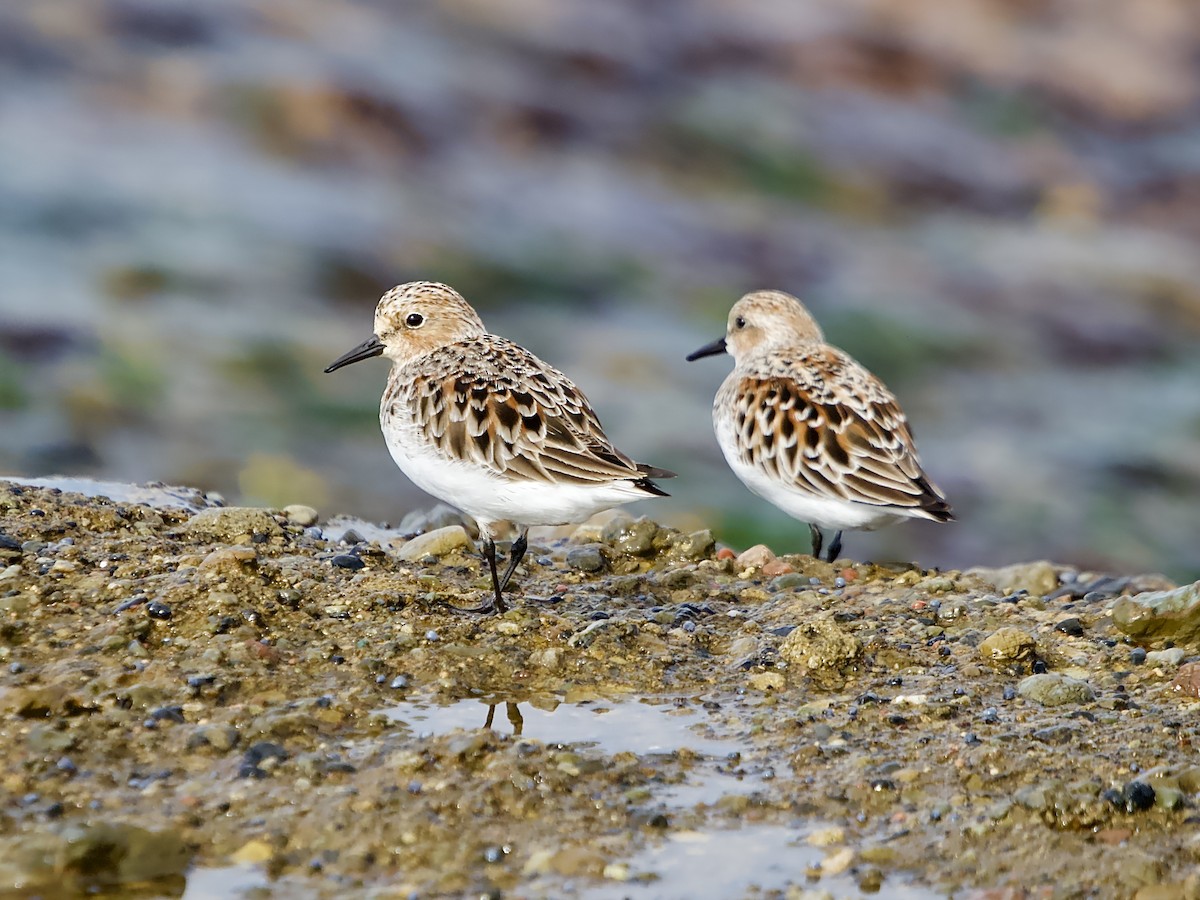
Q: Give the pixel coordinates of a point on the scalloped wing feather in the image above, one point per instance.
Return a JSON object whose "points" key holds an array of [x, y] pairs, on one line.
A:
{"points": [[824, 425], [493, 403]]}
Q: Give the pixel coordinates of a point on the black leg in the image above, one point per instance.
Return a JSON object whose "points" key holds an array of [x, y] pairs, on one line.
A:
{"points": [[497, 605], [817, 540], [515, 555], [835, 547]]}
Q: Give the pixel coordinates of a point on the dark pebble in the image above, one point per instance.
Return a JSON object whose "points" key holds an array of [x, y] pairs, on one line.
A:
{"points": [[782, 630], [15, 668], [168, 714], [347, 561], [399, 682], [55, 810], [264, 750], [259, 537], [1071, 626], [7, 543], [1010, 692], [199, 681], [66, 765], [129, 604], [156, 609], [990, 716], [1137, 796], [1137, 656], [597, 614], [337, 659], [1039, 667]]}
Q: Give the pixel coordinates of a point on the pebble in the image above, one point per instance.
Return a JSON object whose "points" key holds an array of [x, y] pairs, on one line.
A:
{"points": [[348, 561], [819, 643], [156, 609], [298, 514], [1169, 658], [587, 558], [1137, 656], [1006, 646], [1053, 689], [755, 557], [439, 542], [697, 545], [636, 538]]}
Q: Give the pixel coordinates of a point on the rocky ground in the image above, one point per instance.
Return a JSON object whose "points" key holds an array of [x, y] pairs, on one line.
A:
{"points": [[203, 699]]}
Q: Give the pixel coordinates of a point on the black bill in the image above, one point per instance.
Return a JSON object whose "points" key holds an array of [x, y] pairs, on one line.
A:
{"points": [[716, 347], [372, 346]]}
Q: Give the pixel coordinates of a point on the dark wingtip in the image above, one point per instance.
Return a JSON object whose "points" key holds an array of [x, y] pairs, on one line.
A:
{"points": [[650, 487]]}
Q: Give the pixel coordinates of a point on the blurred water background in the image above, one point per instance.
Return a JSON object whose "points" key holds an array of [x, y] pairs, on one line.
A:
{"points": [[994, 204]]}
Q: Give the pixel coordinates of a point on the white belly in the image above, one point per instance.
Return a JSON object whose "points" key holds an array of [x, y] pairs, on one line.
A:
{"points": [[488, 497], [824, 512]]}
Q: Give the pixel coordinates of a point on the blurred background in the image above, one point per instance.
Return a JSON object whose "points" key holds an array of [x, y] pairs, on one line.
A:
{"points": [[994, 205]]}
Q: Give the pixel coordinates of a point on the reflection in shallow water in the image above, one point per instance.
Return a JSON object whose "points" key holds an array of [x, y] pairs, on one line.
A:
{"points": [[734, 863], [613, 727]]}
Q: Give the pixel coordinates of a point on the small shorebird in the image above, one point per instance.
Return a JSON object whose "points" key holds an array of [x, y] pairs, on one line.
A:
{"points": [[482, 423], [809, 429]]}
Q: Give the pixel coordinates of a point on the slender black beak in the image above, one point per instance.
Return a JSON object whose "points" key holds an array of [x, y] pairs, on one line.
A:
{"points": [[716, 347], [372, 346]]}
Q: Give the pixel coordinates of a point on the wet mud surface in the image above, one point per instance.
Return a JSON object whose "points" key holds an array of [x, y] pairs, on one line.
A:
{"points": [[202, 701]]}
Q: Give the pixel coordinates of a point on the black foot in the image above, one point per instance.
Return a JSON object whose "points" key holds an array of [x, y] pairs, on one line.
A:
{"points": [[817, 540], [835, 547]]}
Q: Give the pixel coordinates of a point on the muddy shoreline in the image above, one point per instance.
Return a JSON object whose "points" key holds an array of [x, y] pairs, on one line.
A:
{"points": [[203, 699]]}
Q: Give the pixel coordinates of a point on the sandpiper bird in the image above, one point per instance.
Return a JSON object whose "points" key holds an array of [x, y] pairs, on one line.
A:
{"points": [[809, 429], [482, 423]]}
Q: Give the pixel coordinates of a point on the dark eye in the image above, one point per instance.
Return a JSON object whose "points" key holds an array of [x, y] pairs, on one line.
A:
{"points": [[739, 322], [414, 320]]}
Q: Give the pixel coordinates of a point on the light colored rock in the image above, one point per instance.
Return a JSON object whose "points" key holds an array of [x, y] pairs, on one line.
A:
{"points": [[1007, 646], [819, 643], [299, 514], [1169, 658], [1038, 578], [1052, 689], [766, 681], [755, 558], [438, 542]]}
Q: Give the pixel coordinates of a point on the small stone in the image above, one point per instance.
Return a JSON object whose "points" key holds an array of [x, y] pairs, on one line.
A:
{"points": [[767, 681], [253, 853], [1007, 646], [755, 558], [1166, 658], [1057, 734], [787, 582], [156, 609], [1070, 626], [697, 545], [819, 643], [439, 542], [1138, 796], [303, 516], [587, 558], [348, 561], [1052, 689], [636, 538], [777, 567], [1137, 656]]}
